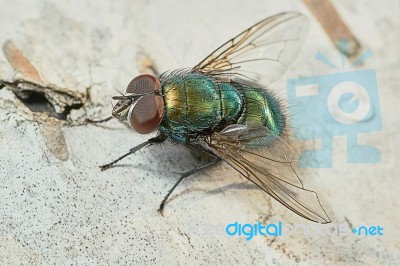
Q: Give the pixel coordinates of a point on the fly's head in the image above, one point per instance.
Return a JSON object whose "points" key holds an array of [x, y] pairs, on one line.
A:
{"points": [[142, 106]]}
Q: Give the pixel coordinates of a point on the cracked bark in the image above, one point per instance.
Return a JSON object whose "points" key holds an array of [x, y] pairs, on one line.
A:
{"points": [[56, 205]]}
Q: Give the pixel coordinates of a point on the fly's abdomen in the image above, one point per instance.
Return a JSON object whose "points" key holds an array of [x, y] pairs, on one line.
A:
{"points": [[261, 107], [231, 103]]}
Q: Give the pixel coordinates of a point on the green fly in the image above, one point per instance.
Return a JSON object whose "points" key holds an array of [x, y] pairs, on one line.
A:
{"points": [[221, 107]]}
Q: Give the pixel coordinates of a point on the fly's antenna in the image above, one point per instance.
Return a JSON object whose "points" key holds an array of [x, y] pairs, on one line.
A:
{"points": [[118, 91]]}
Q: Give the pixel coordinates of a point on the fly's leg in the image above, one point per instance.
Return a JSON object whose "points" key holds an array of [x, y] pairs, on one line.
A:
{"points": [[99, 121], [186, 174], [132, 151]]}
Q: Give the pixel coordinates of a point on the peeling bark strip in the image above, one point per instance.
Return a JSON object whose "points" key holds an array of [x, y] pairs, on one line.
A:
{"points": [[54, 139], [61, 99], [20, 63], [334, 26], [146, 65]]}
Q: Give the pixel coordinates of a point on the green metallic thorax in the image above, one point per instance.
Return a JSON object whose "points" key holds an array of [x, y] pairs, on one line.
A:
{"points": [[196, 104]]}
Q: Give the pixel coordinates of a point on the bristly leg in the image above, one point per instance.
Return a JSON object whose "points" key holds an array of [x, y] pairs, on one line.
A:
{"points": [[132, 151], [184, 175], [99, 121]]}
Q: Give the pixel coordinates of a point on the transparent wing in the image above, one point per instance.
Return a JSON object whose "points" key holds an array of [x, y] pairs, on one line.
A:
{"points": [[267, 160], [260, 54]]}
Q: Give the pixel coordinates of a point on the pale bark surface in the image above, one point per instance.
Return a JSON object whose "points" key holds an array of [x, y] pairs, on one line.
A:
{"points": [[56, 206]]}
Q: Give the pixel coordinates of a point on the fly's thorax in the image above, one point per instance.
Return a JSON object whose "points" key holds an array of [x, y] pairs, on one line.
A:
{"points": [[261, 107], [191, 103]]}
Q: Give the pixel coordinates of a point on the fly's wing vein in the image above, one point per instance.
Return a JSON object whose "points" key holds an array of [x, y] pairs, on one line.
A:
{"points": [[273, 172], [260, 54]]}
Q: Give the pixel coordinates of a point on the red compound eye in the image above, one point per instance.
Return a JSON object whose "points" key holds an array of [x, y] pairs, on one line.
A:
{"points": [[147, 113], [143, 83]]}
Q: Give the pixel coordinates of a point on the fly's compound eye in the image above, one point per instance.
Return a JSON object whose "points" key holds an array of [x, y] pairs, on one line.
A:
{"points": [[147, 112], [143, 84]]}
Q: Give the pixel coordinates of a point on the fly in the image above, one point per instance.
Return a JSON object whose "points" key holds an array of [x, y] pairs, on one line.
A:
{"points": [[221, 107]]}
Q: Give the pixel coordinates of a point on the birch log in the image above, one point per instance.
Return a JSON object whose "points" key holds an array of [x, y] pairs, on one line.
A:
{"points": [[60, 64]]}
